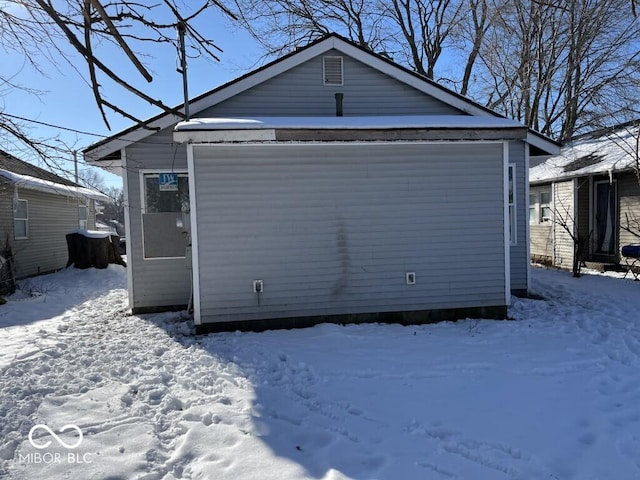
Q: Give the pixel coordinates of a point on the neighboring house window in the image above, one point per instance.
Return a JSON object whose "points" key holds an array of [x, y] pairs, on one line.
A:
{"points": [[21, 219], [332, 71], [540, 207], [512, 205], [545, 206], [83, 216], [165, 201], [533, 208]]}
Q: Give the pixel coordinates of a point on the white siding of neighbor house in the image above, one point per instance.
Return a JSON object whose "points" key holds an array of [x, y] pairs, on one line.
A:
{"points": [[541, 234], [300, 91], [333, 228], [629, 208], [51, 217], [564, 212]]}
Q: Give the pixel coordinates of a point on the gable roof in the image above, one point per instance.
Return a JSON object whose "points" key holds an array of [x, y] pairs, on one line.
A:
{"points": [[103, 150], [599, 152], [29, 176], [15, 165]]}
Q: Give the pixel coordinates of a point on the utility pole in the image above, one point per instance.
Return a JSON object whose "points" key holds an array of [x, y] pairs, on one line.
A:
{"points": [[183, 67], [75, 165]]}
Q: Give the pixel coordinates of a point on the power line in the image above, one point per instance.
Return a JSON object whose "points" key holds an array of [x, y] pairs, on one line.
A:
{"points": [[55, 126]]}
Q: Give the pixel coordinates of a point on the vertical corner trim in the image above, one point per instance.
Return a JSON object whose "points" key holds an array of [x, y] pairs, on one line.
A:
{"points": [[527, 226], [127, 225], [507, 242], [195, 267]]}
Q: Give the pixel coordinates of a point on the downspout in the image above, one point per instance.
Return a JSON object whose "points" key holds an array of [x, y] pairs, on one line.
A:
{"points": [[339, 104]]}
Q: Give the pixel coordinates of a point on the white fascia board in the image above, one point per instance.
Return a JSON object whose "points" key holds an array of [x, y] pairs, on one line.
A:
{"points": [[122, 141], [112, 166], [542, 143]]}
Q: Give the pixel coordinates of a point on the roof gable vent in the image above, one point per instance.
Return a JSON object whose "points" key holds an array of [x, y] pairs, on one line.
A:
{"points": [[332, 71]]}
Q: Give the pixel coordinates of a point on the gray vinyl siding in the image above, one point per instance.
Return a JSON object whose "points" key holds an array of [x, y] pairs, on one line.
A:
{"points": [[518, 252], [332, 229], [541, 234], [300, 91], [564, 212], [297, 92], [162, 281], [51, 217], [629, 207]]}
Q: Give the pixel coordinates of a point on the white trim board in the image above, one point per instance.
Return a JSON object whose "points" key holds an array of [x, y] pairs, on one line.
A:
{"points": [[127, 226], [507, 242], [195, 266]]}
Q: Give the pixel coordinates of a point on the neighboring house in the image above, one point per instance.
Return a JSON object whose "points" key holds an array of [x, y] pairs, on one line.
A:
{"points": [[591, 187], [37, 210], [331, 184]]}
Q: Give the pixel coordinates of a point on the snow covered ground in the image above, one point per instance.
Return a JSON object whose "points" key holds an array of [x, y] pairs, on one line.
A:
{"points": [[554, 394]]}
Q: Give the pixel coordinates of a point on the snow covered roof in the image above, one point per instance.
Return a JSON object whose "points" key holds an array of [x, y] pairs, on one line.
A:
{"points": [[612, 150], [264, 129], [33, 183], [356, 123]]}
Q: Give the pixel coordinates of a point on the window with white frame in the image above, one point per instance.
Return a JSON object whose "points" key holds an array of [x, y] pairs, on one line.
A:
{"points": [[540, 209], [512, 205], [533, 208], [21, 219], [83, 216], [165, 201], [545, 206]]}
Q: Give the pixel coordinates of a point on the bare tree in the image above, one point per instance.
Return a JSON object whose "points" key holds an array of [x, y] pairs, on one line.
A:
{"points": [[554, 64], [49, 35], [425, 27], [282, 25], [472, 33]]}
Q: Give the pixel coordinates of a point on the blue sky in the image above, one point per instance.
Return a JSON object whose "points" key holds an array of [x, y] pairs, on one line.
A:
{"points": [[65, 99]]}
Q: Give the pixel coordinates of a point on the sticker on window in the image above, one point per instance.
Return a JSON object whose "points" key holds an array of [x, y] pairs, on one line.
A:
{"points": [[168, 182]]}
